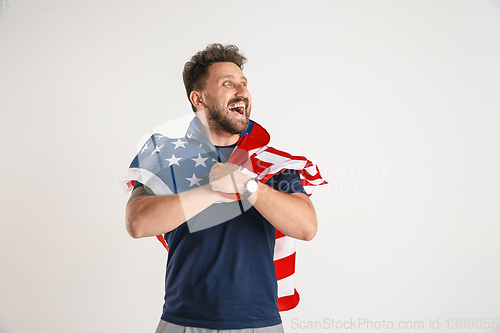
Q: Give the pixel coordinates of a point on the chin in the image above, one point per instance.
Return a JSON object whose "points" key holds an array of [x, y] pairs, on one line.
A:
{"points": [[243, 126]]}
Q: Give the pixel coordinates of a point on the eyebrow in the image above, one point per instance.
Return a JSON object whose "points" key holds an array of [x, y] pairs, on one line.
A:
{"points": [[230, 76]]}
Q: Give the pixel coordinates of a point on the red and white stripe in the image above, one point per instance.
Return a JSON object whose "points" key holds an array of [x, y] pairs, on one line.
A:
{"points": [[284, 264]]}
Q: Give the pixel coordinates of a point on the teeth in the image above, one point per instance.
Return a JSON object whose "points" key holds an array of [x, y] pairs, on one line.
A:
{"points": [[237, 105]]}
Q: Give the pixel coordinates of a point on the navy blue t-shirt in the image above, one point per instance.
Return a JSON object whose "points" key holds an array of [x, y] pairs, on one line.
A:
{"points": [[223, 277]]}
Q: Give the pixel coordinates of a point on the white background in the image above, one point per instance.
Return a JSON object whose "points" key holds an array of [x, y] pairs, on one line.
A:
{"points": [[397, 102]]}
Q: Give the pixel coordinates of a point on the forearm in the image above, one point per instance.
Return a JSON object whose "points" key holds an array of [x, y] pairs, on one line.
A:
{"points": [[292, 214], [155, 215]]}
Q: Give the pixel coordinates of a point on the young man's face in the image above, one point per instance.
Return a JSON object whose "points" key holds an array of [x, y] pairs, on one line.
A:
{"points": [[226, 97]]}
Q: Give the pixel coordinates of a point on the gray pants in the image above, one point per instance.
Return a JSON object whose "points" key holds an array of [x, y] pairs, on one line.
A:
{"points": [[166, 327]]}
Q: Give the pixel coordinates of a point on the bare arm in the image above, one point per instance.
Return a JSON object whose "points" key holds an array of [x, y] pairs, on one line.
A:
{"points": [[149, 215], [291, 213]]}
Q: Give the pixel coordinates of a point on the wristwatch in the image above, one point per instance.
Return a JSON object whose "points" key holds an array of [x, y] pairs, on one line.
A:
{"points": [[251, 187]]}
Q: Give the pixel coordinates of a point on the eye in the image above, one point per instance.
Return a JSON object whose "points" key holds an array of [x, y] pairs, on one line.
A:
{"points": [[227, 84], [244, 84]]}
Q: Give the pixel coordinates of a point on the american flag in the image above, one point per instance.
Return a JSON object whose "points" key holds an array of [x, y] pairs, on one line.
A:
{"points": [[169, 166]]}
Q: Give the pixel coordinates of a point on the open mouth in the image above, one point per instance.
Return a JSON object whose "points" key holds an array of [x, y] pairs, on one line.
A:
{"points": [[238, 108]]}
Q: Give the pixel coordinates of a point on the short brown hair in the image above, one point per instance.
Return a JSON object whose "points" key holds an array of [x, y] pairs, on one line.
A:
{"points": [[195, 71]]}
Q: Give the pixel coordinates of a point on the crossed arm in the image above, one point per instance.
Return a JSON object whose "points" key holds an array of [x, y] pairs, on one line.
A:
{"points": [[291, 213], [148, 215]]}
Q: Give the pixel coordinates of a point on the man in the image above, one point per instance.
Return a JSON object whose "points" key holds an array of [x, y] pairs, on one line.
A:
{"points": [[219, 223]]}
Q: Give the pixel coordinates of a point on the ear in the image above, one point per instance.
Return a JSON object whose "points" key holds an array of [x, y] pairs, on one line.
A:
{"points": [[196, 98]]}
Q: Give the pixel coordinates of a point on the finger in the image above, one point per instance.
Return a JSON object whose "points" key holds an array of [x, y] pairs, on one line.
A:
{"points": [[213, 181], [214, 171], [221, 173]]}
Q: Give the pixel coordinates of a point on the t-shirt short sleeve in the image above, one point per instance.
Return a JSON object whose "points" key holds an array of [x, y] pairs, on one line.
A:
{"points": [[287, 181]]}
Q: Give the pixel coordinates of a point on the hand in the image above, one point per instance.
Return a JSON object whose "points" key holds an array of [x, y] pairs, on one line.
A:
{"points": [[227, 178]]}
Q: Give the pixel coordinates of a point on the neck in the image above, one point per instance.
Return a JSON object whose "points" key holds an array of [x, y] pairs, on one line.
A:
{"points": [[223, 138], [216, 135]]}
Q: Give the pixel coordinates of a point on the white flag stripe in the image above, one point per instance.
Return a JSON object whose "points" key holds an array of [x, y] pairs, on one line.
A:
{"points": [[249, 173], [284, 247], [146, 177], [290, 164], [272, 158], [285, 286], [316, 181], [294, 164], [257, 151], [312, 170]]}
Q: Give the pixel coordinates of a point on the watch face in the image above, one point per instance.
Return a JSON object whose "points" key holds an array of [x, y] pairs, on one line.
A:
{"points": [[252, 186]]}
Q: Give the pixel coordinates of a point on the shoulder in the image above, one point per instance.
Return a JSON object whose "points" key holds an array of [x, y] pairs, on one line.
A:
{"points": [[287, 175], [287, 180]]}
